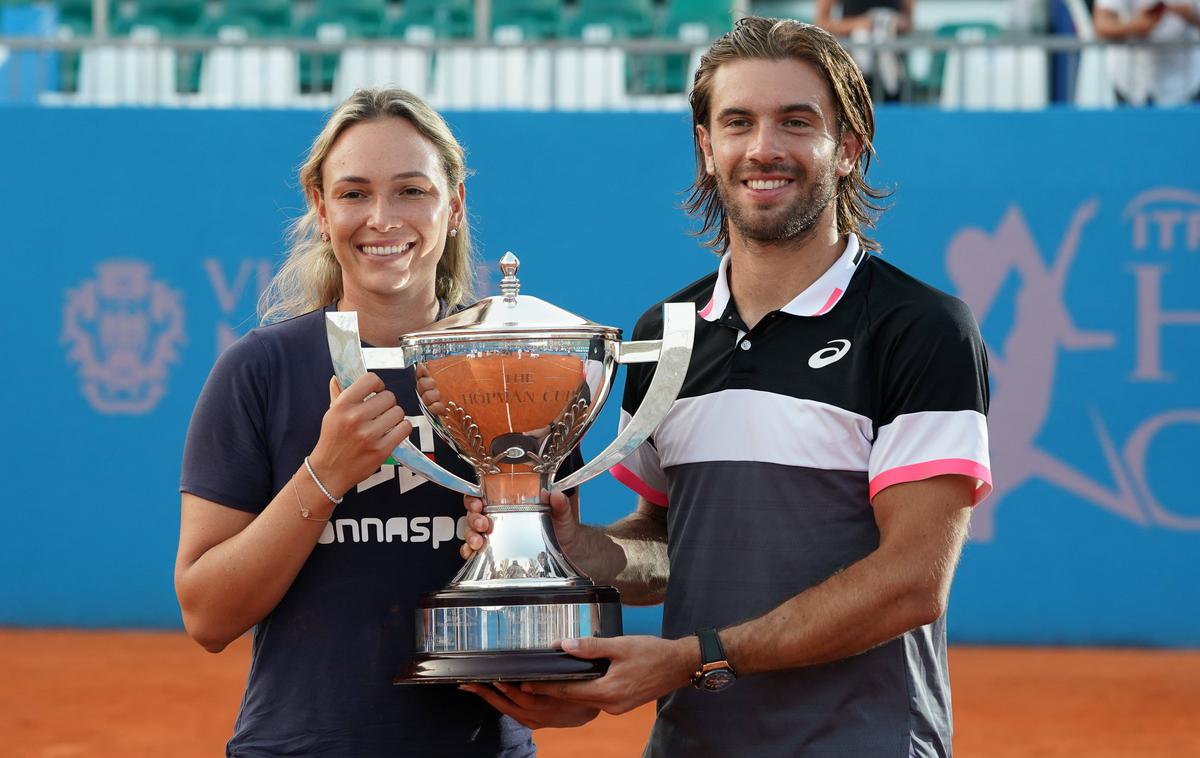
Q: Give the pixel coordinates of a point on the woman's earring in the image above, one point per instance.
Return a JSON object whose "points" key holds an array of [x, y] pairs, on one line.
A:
{"points": [[454, 232], [324, 236]]}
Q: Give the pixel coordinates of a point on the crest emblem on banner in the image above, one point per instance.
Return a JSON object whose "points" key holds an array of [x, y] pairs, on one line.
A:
{"points": [[123, 329]]}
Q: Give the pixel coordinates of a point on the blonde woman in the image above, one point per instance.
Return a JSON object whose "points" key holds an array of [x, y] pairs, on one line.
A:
{"points": [[292, 525]]}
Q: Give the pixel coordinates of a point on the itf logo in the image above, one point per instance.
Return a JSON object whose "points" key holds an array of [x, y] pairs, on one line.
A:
{"points": [[123, 329], [1025, 362]]}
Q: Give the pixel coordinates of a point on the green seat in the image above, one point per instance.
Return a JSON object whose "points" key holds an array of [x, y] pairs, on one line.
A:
{"points": [[447, 19], [697, 21], [962, 30], [75, 20], [367, 17], [187, 64], [183, 14], [260, 18], [334, 22], [76, 16], [625, 18], [537, 19]]}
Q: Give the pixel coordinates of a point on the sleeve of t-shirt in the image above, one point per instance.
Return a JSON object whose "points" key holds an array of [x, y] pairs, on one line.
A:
{"points": [[225, 456], [934, 402], [641, 471]]}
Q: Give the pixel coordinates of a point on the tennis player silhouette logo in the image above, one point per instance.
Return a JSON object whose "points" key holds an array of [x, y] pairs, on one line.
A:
{"points": [[1023, 366], [124, 330]]}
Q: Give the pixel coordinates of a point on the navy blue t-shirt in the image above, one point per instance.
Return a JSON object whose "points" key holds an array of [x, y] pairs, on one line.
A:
{"points": [[320, 680]]}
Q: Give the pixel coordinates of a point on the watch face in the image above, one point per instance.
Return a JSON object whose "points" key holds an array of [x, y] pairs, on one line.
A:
{"points": [[718, 679]]}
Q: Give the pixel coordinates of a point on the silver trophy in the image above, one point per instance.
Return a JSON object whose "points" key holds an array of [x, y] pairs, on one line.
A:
{"points": [[518, 383]]}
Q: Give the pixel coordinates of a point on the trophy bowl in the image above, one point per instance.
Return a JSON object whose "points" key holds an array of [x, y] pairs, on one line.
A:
{"points": [[516, 383]]}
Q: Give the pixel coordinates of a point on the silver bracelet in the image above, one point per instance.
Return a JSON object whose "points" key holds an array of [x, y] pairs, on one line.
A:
{"points": [[325, 492]]}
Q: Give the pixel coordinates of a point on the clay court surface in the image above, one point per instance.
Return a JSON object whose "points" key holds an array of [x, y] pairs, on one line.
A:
{"points": [[127, 695]]}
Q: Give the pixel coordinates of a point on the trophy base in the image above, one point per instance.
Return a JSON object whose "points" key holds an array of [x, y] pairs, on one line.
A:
{"points": [[509, 634], [513, 666]]}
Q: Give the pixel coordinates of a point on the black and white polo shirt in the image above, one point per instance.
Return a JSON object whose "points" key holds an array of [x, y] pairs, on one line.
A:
{"points": [[767, 464]]}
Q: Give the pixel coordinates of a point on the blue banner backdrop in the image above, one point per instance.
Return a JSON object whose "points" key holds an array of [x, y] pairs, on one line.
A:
{"points": [[138, 242]]}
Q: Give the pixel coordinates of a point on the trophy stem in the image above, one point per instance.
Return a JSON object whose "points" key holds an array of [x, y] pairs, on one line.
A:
{"points": [[513, 488], [521, 552]]}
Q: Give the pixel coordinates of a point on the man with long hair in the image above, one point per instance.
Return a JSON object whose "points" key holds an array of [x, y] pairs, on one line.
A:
{"points": [[803, 505]]}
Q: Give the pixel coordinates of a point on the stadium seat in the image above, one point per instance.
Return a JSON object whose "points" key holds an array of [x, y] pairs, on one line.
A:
{"points": [[368, 18], [435, 19], [492, 78], [623, 19], [989, 78], [75, 20], [590, 79], [336, 21], [259, 18], [76, 15], [695, 21], [524, 20], [404, 67], [128, 74], [248, 76], [182, 15], [150, 27], [699, 21]]}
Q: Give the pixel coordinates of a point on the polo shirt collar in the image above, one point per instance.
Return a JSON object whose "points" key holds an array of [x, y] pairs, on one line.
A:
{"points": [[816, 300]]}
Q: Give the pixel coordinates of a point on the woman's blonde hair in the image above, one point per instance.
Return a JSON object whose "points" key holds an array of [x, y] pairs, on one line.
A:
{"points": [[310, 277]]}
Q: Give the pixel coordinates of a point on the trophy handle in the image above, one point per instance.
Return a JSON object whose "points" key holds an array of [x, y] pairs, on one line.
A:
{"points": [[350, 362], [674, 352]]}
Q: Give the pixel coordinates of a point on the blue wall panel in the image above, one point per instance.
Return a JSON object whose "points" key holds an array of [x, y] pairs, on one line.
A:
{"points": [[1075, 237]]}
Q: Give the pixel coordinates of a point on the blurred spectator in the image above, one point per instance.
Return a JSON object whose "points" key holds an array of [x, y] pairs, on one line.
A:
{"points": [[1143, 75], [865, 22]]}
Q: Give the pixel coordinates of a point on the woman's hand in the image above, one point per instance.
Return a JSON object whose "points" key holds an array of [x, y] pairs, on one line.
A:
{"points": [[359, 431]]}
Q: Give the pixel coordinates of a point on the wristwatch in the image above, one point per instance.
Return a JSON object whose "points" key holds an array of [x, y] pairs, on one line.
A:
{"points": [[715, 673]]}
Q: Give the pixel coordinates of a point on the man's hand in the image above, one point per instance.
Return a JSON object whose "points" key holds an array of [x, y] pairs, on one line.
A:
{"points": [[534, 711], [566, 523], [641, 669]]}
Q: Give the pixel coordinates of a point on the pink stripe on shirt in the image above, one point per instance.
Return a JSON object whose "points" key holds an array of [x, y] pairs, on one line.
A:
{"points": [[833, 298], [631, 480], [917, 471]]}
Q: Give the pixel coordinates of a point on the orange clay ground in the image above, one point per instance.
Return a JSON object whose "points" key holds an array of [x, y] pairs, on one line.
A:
{"points": [[128, 695]]}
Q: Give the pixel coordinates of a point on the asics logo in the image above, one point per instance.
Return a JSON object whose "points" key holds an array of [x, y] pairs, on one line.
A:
{"points": [[827, 355]]}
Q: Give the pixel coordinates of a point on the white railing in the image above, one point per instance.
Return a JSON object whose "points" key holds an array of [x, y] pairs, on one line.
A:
{"points": [[1010, 72]]}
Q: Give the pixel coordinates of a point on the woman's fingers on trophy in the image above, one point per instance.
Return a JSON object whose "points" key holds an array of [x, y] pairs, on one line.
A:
{"points": [[375, 406], [431, 398], [396, 435], [366, 385], [335, 389], [388, 422]]}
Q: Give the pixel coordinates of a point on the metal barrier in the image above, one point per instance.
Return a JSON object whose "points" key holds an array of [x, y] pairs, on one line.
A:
{"points": [[1002, 73]]}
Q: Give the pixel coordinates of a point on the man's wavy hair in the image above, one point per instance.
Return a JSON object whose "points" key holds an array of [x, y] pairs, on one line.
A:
{"points": [[772, 39]]}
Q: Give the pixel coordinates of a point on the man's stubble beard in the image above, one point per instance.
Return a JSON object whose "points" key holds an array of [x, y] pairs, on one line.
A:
{"points": [[792, 223]]}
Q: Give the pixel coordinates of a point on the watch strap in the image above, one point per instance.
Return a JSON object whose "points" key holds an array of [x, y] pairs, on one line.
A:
{"points": [[711, 649]]}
